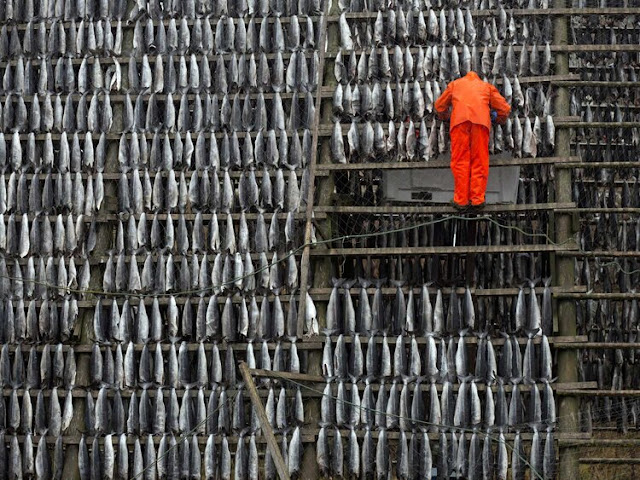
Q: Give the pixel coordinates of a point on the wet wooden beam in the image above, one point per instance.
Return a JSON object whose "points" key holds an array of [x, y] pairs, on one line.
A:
{"points": [[443, 209], [496, 162], [441, 250], [272, 443]]}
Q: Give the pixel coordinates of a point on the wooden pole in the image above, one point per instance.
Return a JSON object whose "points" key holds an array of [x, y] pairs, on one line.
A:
{"points": [[566, 310], [304, 262], [272, 443]]}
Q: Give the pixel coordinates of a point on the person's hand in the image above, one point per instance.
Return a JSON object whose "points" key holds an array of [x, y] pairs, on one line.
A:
{"points": [[494, 116]]}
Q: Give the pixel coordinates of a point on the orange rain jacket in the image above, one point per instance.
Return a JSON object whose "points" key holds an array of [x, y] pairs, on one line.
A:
{"points": [[472, 99]]}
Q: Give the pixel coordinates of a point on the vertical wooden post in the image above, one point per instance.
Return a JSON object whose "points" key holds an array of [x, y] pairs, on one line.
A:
{"points": [[321, 267], [272, 443], [568, 410], [305, 260]]}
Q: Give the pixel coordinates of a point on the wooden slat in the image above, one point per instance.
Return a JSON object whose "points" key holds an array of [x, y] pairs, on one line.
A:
{"points": [[326, 92], [108, 218], [478, 292], [599, 345], [308, 435], [583, 211], [632, 164], [422, 209], [602, 393], [497, 162], [609, 461], [523, 12], [441, 250], [601, 253], [109, 177], [600, 296], [311, 381], [306, 343], [318, 294], [323, 131], [272, 443]]}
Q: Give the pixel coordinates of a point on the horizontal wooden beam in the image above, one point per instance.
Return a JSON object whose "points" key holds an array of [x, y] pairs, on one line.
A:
{"points": [[598, 345], [562, 389], [609, 461], [600, 296], [442, 209], [601, 253], [307, 435], [258, 171], [478, 292], [326, 92], [582, 211], [631, 164], [496, 162], [306, 343], [458, 250], [516, 12]]}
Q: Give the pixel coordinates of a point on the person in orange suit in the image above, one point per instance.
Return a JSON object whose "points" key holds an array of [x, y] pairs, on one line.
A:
{"points": [[474, 104]]}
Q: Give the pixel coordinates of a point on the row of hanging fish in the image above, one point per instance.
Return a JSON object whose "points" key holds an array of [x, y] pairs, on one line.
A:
{"points": [[44, 235], [614, 321], [178, 36], [68, 10], [129, 456], [234, 8], [621, 234], [606, 150], [46, 368], [441, 62], [80, 199], [26, 415], [606, 320], [63, 9], [437, 359], [425, 140], [462, 454], [400, 314], [607, 275], [76, 153], [162, 410], [207, 236], [395, 27], [150, 115], [227, 272], [417, 101], [270, 148], [207, 193], [297, 71], [382, 5], [218, 317], [621, 411], [420, 230], [413, 406], [48, 321], [504, 270], [622, 68]]}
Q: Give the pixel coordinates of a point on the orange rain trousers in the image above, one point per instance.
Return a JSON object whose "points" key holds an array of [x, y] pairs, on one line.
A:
{"points": [[469, 162]]}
